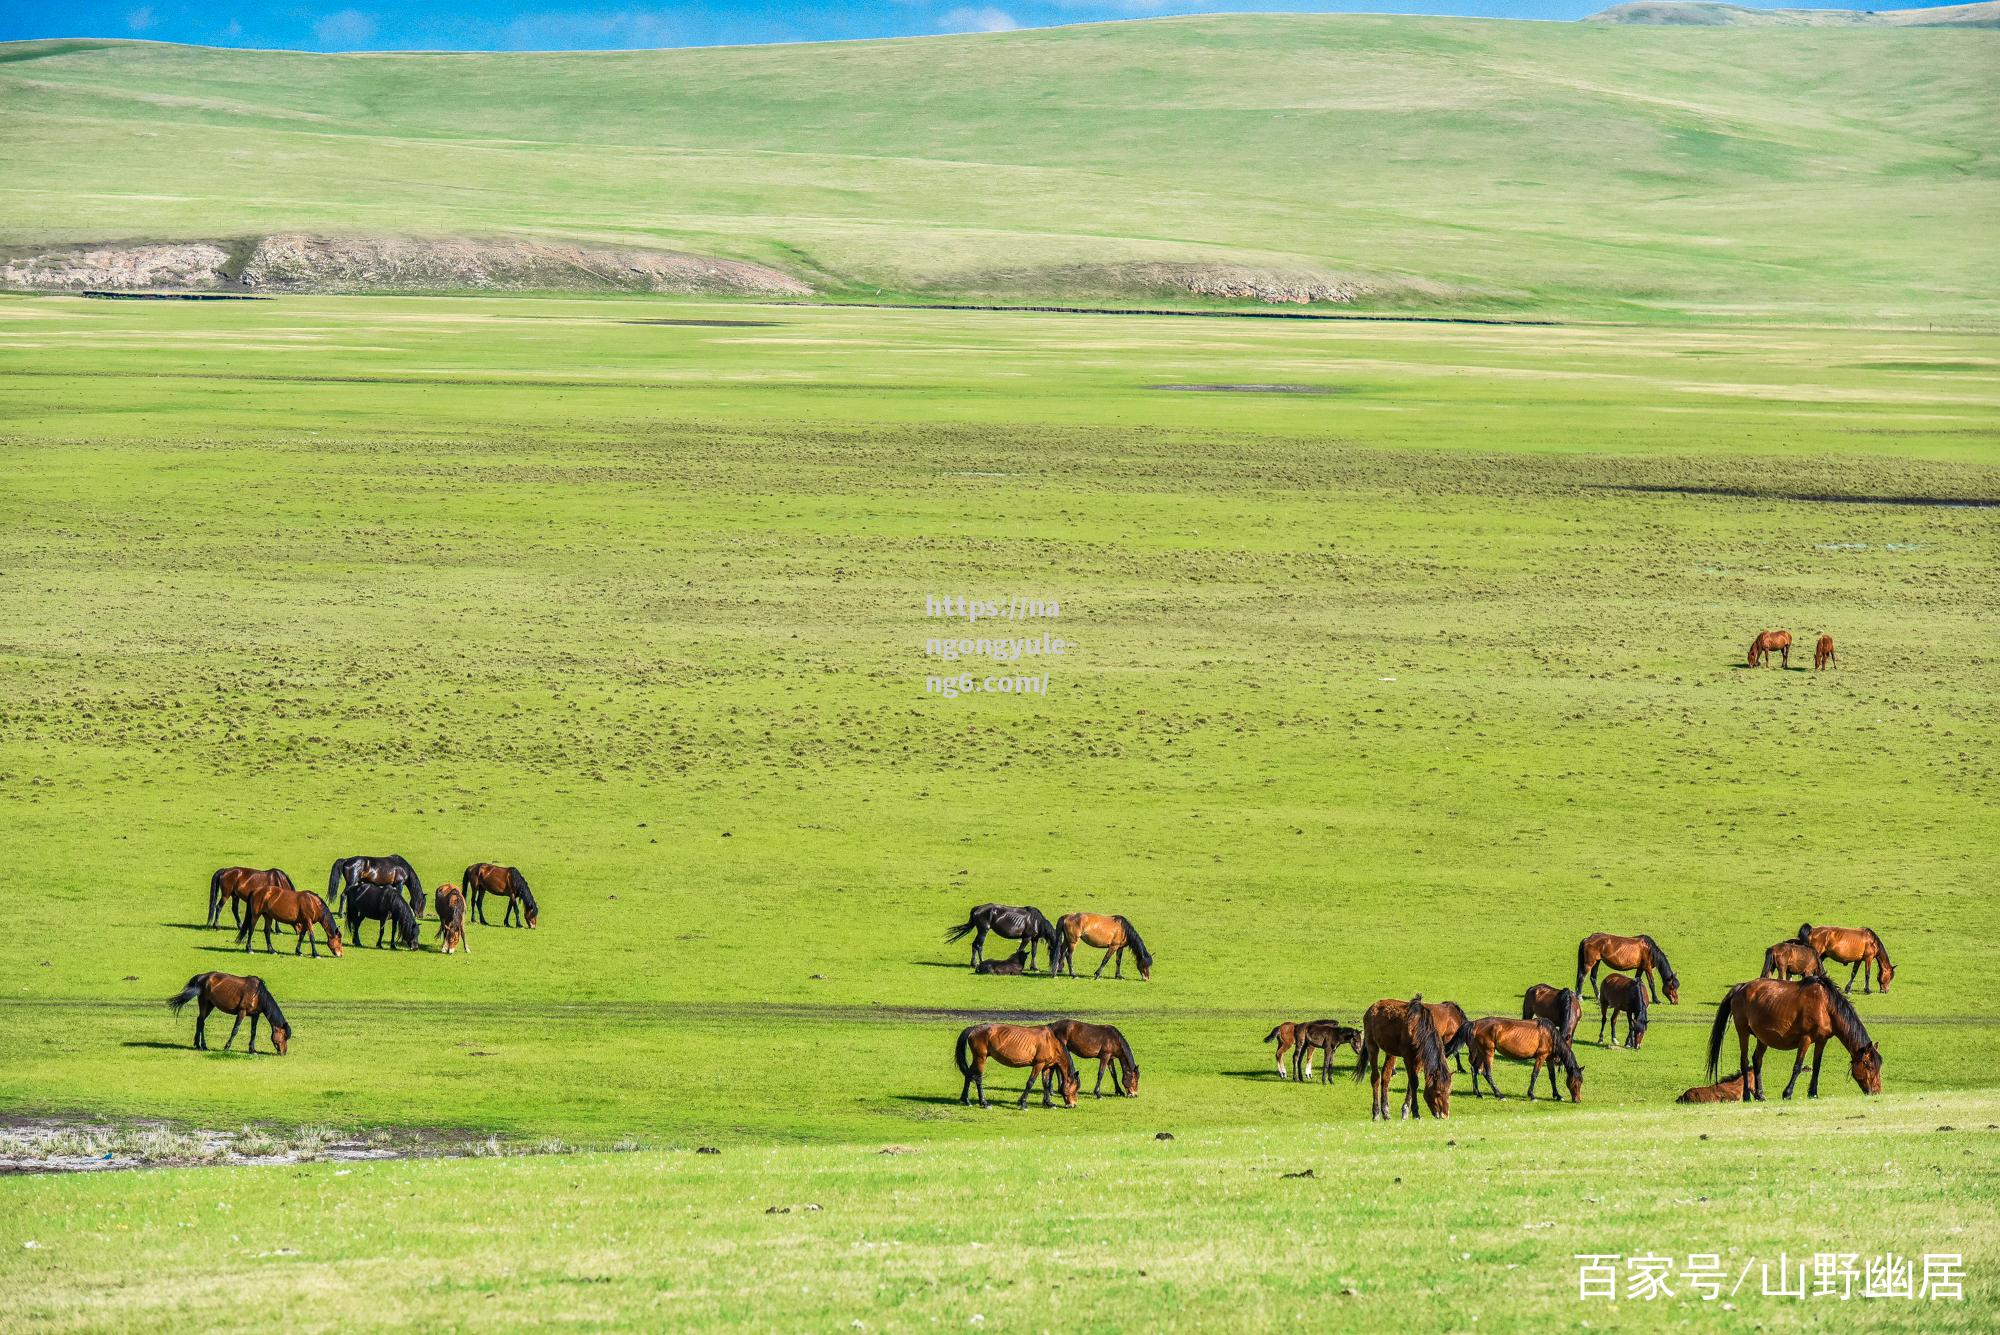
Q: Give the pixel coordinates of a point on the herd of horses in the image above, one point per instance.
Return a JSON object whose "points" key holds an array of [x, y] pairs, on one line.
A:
{"points": [[1434, 1039], [384, 890], [1779, 642]]}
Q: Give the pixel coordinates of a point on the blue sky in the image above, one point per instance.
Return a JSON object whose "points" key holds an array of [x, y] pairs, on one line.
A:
{"points": [[358, 25]]}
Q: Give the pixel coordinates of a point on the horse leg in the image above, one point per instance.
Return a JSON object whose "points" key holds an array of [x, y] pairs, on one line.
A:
{"points": [[1029, 1088], [254, 1015], [232, 1033], [1798, 1064], [979, 945], [1102, 1062], [1100, 965], [1850, 977], [1757, 1066], [1118, 953], [1602, 1013], [1866, 989], [201, 1026], [479, 904], [270, 921], [1819, 1051]]}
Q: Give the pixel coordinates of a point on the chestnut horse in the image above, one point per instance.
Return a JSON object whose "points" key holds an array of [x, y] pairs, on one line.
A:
{"points": [[1109, 932], [490, 878], [1792, 957], [1392, 1029], [1038, 1049], [1852, 945], [1633, 954], [1823, 653], [1524, 1040], [1722, 1091], [450, 901], [236, 996], [1287, 1034], [1627, 997], [300, 909], [1327, 1038], [1771, 642], [232, 884], [1107, 1046], [1789, 1016], [1560, 1006]]}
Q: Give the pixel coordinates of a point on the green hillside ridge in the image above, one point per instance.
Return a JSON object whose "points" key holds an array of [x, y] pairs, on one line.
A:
{"points": [[1358, 160]]}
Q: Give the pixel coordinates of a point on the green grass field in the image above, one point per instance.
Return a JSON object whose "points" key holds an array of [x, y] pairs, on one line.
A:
{"points": [[1402, 685], [1844, 176]]}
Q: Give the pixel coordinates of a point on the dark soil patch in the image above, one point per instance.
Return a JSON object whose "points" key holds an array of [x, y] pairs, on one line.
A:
{"points": [[171, 296], [1818, 497], [1253, 389], [711, 324]]}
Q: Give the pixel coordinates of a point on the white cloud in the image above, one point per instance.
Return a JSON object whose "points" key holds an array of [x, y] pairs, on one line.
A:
{"points": [[560, 31], [141, 19], [344, 28], [978, 18]]}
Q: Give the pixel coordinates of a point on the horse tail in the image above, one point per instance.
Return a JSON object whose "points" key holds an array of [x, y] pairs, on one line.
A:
{"points": [[333, 878], [1461, 1039], [251, 908], [1144, 955], [1366, 1053], [971, 922], [186, 994], [1582, 947], [1572, 1012], [269, 1005], [519, 885], [963, 1054], [214, 892], [1770, 962], [1639, 1014], [1805, 934], [1272, 1037], [1716, 1030]]}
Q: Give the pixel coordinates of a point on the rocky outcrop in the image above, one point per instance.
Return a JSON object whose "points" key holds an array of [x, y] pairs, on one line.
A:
{"points": [[304, 262]]}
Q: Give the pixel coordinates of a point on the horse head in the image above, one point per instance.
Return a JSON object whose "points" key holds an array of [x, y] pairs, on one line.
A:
{"points": [[1576, 1084], [1867, 1069], [1071, 1082], [1437, 1093], [281, 1038]]}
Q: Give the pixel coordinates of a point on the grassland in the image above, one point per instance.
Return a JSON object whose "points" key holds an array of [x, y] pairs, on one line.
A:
{"points": [[1640, 172], [1403, 685]]}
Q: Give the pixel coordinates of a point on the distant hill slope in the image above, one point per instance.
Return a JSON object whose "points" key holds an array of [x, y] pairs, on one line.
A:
{"points": [[1708, 14], [1378, 162]]}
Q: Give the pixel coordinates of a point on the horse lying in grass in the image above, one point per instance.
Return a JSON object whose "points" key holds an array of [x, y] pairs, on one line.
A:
{"points": [[236, 996], [1013, 966], [1036, 1048], [1722, 1091]]}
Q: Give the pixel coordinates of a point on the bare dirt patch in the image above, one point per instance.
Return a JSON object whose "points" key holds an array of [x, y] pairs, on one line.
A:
{"points": [[81, 1145]]}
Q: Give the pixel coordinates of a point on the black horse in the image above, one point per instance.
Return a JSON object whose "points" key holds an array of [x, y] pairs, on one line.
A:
{"points": [[382, 903], [1016, 924], [393, 870]]}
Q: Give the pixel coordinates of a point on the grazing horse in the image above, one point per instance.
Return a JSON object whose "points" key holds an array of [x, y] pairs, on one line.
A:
{"points": [[1560, 1006], [1852, 945], [451, 918], [1011, 967], [300, 909], [1109, 932], [238, 997], [1454, 1030], [385, 906], [1634, 954], [1722, 1091], [393, 870], [1627, 997], [1392, 1029], [229, 885], [1792, 957], [490, 878], [1823, 654], [1789, 1016], [1107, 1046], [1038, 1049], [1771, 642], [1524, 1040], [1026, 925], [1326, 1038]]}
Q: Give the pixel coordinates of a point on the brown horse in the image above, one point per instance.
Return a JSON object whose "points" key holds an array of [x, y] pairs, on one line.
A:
{"points": [[235, 885], [1038, 1049], [1524, 1040], [1013, 966], [300, 909], [1627, 997], [1326, 1038], [1789, 1016], [1771, 642], [450, 901], [1792, 957], [1287, 1034], [236, 996], [1560, 1006], [1107, 1046], [1852, 945], [1633, 954], [1722, 1091], [1391, 1029], [1109, 932], [1823, 654], [490, 878]]}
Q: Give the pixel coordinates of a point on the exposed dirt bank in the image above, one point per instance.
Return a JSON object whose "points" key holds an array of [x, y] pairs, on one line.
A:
{"points": [[303, 262]]}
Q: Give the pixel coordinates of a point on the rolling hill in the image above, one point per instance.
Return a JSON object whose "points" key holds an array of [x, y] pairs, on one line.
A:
{"points": [[1374, 162], [1711, 14]]}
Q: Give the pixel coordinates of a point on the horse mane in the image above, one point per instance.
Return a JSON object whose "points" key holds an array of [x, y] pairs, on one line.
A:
{"points": [[1667, 974], [1425, 1036], [1124, 1050], [1639, 1015], [406, 920], [269, 1005], [326, 921], [1461, 1039], [1805, 934], [1144, 955], [1844, 1011], [1561, 1049], [520, 885], [404, 863], [1572, 1009], [1882, 949]]}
